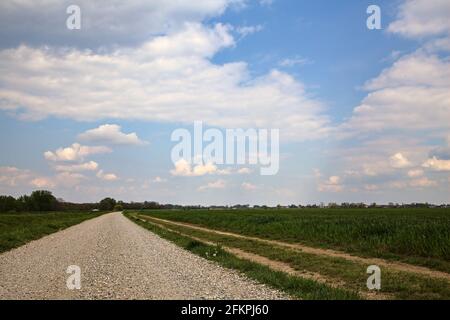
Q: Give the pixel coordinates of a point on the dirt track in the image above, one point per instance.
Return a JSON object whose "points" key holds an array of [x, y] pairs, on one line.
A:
{"points": [[317, 251]]}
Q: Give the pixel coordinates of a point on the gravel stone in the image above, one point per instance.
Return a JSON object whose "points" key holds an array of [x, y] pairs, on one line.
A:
{"points": [[118, 260]]}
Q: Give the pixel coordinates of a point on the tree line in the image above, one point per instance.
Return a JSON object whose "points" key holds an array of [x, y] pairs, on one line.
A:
{"points": [[43, 201]]}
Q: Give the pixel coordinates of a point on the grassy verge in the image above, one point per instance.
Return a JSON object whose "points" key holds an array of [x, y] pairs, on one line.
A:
{"points": [[395, 284], [294, 286], [416, 236], [18, 229]]}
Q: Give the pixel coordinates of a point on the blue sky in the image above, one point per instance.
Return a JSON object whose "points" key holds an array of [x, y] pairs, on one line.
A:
{"points": [[363, 114]]}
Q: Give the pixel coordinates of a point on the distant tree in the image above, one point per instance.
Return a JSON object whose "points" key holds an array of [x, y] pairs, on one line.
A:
{"points": [[23, 203], [41, 200], [118, 207], [7, 204], [107, 204], [151, 205]]}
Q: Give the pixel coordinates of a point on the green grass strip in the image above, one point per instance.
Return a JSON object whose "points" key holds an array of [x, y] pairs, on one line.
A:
{"points": [[18, 229], [296, 287], [395, 284]]}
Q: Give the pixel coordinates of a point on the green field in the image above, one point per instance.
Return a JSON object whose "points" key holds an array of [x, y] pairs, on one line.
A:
{"points": [[418, 236], [18, 229], [294, 286]]}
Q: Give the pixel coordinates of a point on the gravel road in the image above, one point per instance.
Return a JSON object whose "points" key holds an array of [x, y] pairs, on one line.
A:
{"points": [[118, 260]]}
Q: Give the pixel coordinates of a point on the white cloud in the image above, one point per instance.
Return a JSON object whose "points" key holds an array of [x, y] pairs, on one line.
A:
{"points": [[417, 69], [295, 61], [244, 171], [16, 178], [266, 2], [334, 180], [420, 183], [371, 187], [436, 45], [421, 18], [104, 22], [106, 176], [184, 168], [398, 184], [407, 103], [167, 79], [87, 166], [437, 164], [76, 152], [399, 161], [248, 30], [12, 176], [414, 173], [248, 186], [219, 184], [317, 173], [159, 180], [413, 94], [333, 184], [42, 183], [423, 183], [68, 179], [111, 134]]}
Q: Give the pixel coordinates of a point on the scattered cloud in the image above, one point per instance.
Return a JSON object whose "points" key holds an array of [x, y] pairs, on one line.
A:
{"points": [[111, 134], [18, 178], [266, 2], [159, 180], [437, 164], [371, 187], [402, 95], [106, 176], [295, 61], [414, 173], [422, 18], [219, 184], [186, 169], [422, 183], [244, 171], [407, 106], [333, 184], [399, 161], [75, 152], [68, 179], [153, 80], [12, 176], [87, 166], [244, 31], [42, 183], [248, 186], [104, 22]]}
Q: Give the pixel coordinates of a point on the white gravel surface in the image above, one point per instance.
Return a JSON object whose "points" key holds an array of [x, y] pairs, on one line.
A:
{"points": [[118, 260]]}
